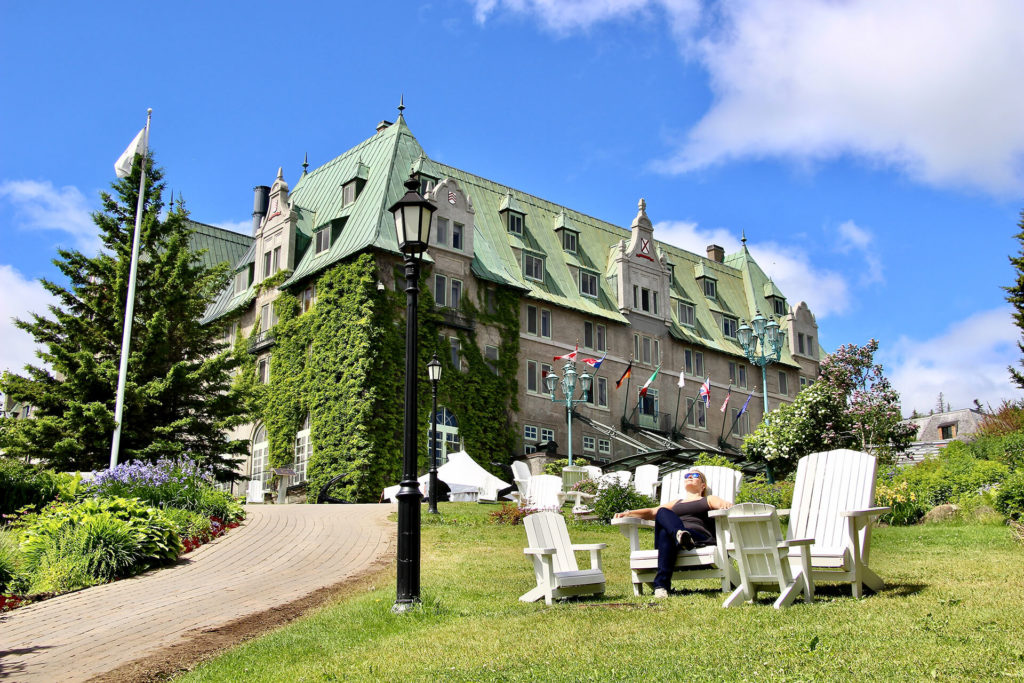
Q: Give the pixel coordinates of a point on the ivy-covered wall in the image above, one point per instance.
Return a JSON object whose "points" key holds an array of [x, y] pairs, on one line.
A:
{"points": [[343, 363]]}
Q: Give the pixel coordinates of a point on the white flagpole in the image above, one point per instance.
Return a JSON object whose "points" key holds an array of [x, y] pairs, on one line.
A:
{"points": [[129, 308]]}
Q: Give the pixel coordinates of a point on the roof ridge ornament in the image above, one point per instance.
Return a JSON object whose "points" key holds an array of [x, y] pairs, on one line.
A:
{"points": [[305, 164], [401, 104]]}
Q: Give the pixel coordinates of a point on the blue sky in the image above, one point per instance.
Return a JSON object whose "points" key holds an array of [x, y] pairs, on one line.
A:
{"points": [[872, 152]]}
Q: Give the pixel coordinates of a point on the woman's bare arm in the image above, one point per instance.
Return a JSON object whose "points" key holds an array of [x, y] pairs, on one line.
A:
{"points": [[642, 513], [716, 503]]}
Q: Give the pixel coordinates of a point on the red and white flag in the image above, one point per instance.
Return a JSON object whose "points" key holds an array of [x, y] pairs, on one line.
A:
{"points": [[569, 356], [705, 390], [725, 403]]}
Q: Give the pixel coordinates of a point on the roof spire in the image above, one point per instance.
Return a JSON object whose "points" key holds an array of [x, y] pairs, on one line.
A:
{"points": [[743, 237], [401, 105], [280, 173], [305, 163]]}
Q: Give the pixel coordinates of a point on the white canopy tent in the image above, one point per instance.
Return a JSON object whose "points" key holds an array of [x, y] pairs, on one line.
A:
{"points": [[466, 479]]}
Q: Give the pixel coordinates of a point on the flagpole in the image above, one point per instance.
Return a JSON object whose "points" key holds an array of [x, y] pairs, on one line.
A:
{"points": [[625, 400], [727, 396], [740, 414], [129, 309], [679, 396]]}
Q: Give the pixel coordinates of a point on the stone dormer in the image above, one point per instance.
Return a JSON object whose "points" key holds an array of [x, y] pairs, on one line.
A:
{"points": [[454, 218], [802, 333], [275, 241], [642, 272]]}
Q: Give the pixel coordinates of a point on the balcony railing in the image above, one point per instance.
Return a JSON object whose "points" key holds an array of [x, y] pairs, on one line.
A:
{"points": [[453, 318], [661, 422], [260, 341]]}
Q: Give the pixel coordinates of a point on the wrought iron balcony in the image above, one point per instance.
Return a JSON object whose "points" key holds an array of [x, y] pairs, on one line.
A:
{"points": [[261, 340]]}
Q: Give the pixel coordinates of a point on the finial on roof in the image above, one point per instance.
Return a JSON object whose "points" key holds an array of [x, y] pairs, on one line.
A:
{"points": [[642, 205], [743, 237], [305, 163], [401, 105], [280, 173]]}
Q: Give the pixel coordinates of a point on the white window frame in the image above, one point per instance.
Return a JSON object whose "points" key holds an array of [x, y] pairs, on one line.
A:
{"points": [[545, 323], [533, 377], [710, 288], [698, 417], [348, 193], [729, 326], [604, 446], [602, 392], [588, 284], [783, 383], [458, 234], [441, 232], [440, 290], [533, 267], [515, 223], [589, 443], [455, 289], [530, 432], [323, 239], [569, 241], [532, 320], [547, 434], [686, 314], [303, 449], [308, 298]]}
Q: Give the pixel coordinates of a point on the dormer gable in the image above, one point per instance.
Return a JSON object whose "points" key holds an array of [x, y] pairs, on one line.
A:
{"points": [[643, 275], [706, 280], [776, 300], [513, 214], [421, 170], [454, 218], [353, 184], [568, 233], [275, 240]]}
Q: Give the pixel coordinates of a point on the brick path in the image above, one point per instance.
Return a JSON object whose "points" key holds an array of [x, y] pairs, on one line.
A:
{"points": [[280, 554]]}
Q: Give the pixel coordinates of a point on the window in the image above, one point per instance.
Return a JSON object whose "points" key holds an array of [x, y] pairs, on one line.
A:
{"points": [[696, 413], [263, 370], [532, 384], [646, 350], [515, 223], [588, 335], [440, 290], [741, 426], [780, 306], [260, 448], [685, 313], [783, 384], [277, 259], [243, 279], [710, 288], [602, 336], [588, 443], [547, 434], [441, 232], [323, 239], [491, 357], [604, 446], [457, 230], [268, 318], [645, 346], [810, 346], [729, 326], [688, 361], [348, 193], [531, 319], [594, 336], [947, 431], [569, 241], [267, 260], [530, 432], [303, 449], [545, 323], [533, 267], [456, 298], [698, 362], [588, 284], [738, 374], [545, 370], [456, 349], [308, 296], [426, 185], [805, 382], [804, 344], [648, 403], [602, 392], [529, 448], [448, 439]]}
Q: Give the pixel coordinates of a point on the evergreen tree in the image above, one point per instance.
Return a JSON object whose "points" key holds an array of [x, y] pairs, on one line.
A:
{"points": [[178, 395], [1015, 295]]}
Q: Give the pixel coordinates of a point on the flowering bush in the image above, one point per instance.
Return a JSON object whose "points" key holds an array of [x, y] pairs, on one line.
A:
{"points": [[619, 497], [555, 467], [511, 514], [586, 485], [906, 508]]}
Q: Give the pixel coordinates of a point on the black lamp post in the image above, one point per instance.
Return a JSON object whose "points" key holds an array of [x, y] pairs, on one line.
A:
{"points": [[412, 214], [434, 374]]}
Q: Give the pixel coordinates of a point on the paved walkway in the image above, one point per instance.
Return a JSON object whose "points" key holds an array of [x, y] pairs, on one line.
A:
{"points": [[280, 554]]}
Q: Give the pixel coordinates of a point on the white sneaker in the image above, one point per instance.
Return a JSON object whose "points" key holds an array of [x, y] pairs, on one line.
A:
{"points": [[660, 593]]}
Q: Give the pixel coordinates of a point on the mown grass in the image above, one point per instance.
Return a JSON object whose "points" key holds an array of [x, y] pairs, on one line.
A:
{"points": [[952, 609]]}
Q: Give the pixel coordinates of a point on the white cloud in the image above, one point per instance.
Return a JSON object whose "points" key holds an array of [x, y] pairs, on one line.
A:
{"points": [[931, 88], [21, 298], [564, 16], [852, 237], [41, 206], [967, 361], [243, 227], [826, 292]]}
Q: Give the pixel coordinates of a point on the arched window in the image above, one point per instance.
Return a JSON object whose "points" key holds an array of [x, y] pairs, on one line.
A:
{"points": [[260, 470], [303, 449], [448, 440]]}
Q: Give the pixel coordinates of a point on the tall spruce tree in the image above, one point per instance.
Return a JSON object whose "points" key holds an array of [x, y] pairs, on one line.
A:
{"points": [[179, 397], [1015, 295]]}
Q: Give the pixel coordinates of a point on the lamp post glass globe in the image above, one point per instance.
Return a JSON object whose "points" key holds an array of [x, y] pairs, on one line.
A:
{"points": [[413, 215], [569, 380]]}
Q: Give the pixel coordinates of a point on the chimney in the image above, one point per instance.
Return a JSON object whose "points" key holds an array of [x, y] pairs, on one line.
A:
{"points": [[259, 206], [382, 125], [716, 253]]}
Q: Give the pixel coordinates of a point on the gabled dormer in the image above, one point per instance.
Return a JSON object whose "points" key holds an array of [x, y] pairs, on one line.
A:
{"points": [[642, 272], [776, 301], [513, 215], [706, 280], [275, 239], [353, 185], [420, 169], [453, 220], [567, 232]]}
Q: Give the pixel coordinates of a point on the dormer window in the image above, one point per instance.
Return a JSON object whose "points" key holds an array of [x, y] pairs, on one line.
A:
{"points": [[243, 278], [645, 300], [348, 193], [710, 288], [515, 223], [729, 326], [685, 313], [426, 184], [533, 267], [323, 239], [588, 284], [779, 305], [569, 239]]}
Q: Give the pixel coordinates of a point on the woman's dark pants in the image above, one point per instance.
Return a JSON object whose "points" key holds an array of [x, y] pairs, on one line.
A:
{"points": [[666, 524]]}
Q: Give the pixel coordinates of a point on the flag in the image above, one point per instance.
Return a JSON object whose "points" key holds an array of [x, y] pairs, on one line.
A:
{"points": [[744, 408], [643, 389], [682, 379], [569, 356], [123, 165], [705, 390], [627, 373], [595, 362], [725, 403]]}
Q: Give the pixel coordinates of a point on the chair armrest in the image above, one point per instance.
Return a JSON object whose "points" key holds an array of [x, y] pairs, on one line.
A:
{"points": [[632, 522], [589, 546], [783, 512], [796, 542], [718, 513], [577, 496], [538, 551], [870, 512]]}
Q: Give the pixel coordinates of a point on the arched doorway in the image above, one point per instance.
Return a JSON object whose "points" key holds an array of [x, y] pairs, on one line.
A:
{"points": [[448, 440]]}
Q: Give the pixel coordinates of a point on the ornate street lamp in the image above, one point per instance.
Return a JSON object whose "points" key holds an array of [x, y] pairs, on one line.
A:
{"points": [[762, 341], [413, 215], [434, 374], [569, 380]]}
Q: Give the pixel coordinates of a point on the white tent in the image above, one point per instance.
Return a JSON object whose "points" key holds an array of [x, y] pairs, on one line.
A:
{"points": [[464, 477]]}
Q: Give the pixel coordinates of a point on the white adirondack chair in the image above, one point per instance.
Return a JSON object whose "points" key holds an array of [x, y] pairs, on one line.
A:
{"points": [[521, 475], [554, 560], [593, 471], [622, 477], [543, 492], [645, 480], [832, 503], [707, 562], [764, 558]]}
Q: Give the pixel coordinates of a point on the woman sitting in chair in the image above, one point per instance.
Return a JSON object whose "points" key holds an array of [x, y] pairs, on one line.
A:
{"points": [[682, 523]]}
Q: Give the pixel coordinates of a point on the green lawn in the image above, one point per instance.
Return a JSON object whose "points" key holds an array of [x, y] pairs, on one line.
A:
{"points": [[953, 609]]}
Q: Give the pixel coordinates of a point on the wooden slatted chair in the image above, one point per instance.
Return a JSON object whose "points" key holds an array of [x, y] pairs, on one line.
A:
{"points": [[521, 476], [554, 560], [706, 562], [543, 492], [765, 559], [832, 503], [645, 480]]}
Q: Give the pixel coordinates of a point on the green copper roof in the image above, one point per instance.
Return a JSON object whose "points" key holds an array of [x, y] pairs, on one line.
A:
{"points": [[228, 300], [220, 245]]}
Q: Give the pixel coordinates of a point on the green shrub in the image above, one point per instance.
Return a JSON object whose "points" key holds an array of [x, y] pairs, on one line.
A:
{"points": [[189, 524], [617, 497], [954, 472], [1009, 499], [220, 504], [10, 559], [756, 489], [22, 485], [715, 460], [907, 508], [557, 466], [1006, 448], [61, 563]]}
